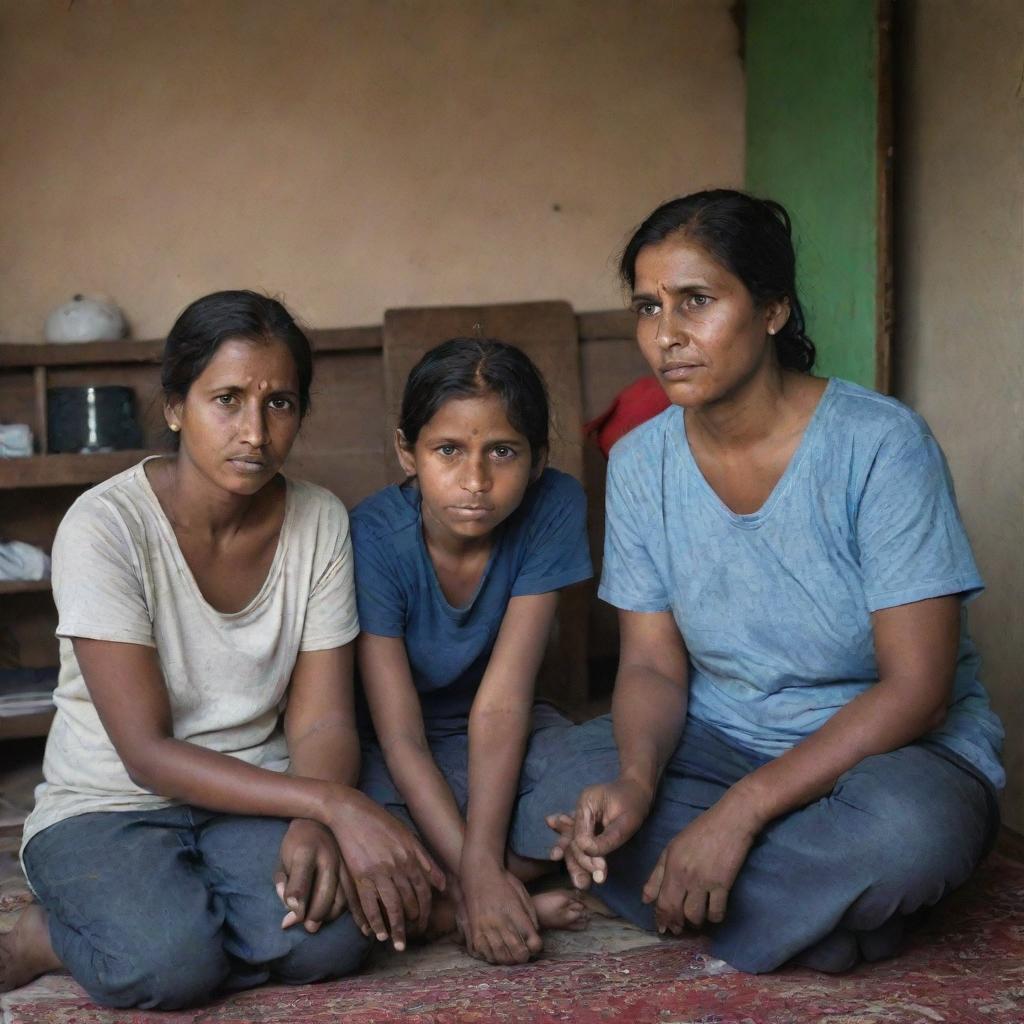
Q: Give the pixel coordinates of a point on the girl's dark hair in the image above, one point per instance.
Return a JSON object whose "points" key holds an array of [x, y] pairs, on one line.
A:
{"points": [[468, 368], [752, 239], [206, 323]]}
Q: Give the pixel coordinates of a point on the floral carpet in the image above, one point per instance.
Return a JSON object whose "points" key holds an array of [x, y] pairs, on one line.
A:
{"points": [[965, 966]]}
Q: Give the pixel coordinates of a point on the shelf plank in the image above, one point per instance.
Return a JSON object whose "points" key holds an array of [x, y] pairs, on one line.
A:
{"points": [[67, 470], [593, 326], [86, 353], [24, 586], [21, 727], [80, 353]]}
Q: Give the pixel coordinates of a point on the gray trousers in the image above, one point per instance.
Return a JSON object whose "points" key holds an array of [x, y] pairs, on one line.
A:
{"points": [[827, 885], [167, 908]]}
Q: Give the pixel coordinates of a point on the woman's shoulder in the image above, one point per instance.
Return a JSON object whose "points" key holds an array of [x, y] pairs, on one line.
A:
{"points": [[860, 412], [123, 498], [316, 497], [648, 439]]}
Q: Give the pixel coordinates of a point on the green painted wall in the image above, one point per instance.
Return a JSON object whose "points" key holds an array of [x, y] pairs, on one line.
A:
{"points": [[812, 129]]}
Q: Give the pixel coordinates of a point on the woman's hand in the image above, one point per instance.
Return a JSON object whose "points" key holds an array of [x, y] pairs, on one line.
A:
{"points": [[606, 817], [307, 878], [691, 882], [500, 923], [388, 866]]}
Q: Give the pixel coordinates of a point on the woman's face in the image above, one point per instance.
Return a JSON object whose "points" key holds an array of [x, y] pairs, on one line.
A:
{"points": [[697, 324], [241, 415]]}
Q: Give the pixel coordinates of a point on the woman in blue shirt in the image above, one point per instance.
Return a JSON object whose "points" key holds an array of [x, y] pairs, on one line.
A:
{"points": [[807, 754]]}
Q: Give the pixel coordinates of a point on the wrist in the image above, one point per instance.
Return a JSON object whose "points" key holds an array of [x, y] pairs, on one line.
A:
{"points": [[332, 799], [747, 803], [480, 857], [643, 780]]}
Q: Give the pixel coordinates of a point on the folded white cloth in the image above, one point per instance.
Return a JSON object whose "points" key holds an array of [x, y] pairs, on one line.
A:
{"points": [[21, 561], [15, 440]]}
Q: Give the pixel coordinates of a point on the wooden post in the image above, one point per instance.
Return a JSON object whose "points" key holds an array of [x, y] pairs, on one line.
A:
{"points": [[42, 438]]}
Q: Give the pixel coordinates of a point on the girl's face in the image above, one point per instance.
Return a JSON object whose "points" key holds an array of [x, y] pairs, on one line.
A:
{"points": [[697, 324], [472, 467], [240, 416]]}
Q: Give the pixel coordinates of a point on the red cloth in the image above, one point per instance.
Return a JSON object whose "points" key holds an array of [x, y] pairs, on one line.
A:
{"points": [[633, 405]]}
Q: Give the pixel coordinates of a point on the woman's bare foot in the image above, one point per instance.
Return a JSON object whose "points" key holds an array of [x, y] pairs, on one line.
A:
{"points": [[561, 908], [25, 951]]}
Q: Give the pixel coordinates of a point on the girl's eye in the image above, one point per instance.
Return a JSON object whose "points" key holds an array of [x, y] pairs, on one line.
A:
{"points": [[700, 301], [281, 404], [446, 449], [225, 399], [503, 451]]}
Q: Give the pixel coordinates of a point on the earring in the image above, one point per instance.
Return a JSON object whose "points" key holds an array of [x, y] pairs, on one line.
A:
{"points": [[174, 427], [771, 330]]}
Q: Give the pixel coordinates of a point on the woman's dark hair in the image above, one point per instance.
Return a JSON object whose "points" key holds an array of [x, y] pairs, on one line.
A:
{"points": [[752, 239], [206, 323], [469, 368]]}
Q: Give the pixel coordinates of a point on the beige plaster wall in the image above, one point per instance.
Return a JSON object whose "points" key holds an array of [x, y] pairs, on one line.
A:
{"points": [[351, 155], [960, 289]]}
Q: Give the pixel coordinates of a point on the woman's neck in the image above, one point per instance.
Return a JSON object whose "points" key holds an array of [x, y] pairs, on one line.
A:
{"points": [[757, 409], [195, 505]]}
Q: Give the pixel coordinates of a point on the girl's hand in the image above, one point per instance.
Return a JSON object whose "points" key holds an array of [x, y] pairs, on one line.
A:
{"points": [[606, 817], [501, 924], [690, 884], [307, 878], [388, 866]]}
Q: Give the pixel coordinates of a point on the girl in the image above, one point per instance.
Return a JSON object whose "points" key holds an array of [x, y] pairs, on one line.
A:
{"points": [[808, 756], [206, 625], [457, 574]]}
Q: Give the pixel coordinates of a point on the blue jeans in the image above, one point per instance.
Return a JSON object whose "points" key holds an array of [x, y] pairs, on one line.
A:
{"points": [[544, 783], [163, 909], [827, 885]]}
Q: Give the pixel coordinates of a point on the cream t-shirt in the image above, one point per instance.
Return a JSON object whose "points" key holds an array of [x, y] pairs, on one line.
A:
{"points": [[119, 575]]}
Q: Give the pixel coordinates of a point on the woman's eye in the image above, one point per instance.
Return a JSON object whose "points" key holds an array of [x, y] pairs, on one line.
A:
{"points": [[503, 451], [700, 301], [280, 404], [646, 309], [225, 399], [447, 449]]}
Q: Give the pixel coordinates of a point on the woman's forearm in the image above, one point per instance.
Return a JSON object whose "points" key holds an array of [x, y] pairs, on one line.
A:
{"points": [[497, 744], [329, 751], [186, 772], [916, 650], [649, 701], [648, 712], [883, 718]]}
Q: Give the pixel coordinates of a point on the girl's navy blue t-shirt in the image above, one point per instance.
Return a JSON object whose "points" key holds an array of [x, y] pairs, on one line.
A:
{"points": [[541, 547]]}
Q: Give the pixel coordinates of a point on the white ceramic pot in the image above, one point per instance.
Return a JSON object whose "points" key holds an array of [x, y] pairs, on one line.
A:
{"points": [[85, 319]]}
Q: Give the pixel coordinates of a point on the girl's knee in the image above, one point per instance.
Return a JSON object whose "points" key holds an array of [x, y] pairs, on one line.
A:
{"points": [[336, 950]]}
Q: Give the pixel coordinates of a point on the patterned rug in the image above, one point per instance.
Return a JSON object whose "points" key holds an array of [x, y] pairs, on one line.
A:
{"points": [[966, 966]]}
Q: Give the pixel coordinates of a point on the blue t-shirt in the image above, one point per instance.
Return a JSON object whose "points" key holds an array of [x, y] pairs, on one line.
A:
{"points": [[542, 546], [775, 607]]}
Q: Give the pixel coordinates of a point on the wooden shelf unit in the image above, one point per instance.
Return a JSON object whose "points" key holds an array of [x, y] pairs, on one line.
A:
{"points": [[47, 482]]}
